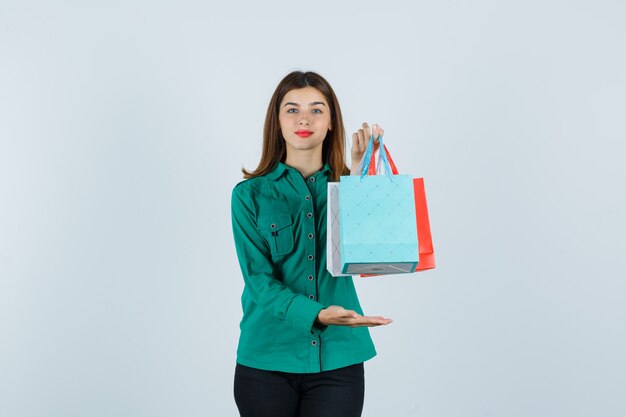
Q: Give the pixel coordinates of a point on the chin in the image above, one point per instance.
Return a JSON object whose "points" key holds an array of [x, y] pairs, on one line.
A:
{"points": [[304, 148], [304, 144]]}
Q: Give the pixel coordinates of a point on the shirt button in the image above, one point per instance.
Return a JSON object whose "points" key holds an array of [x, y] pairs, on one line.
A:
{"points": [[314, 342], [311, 297], [309, 215], [308, 197], [310, 257], [311, 235], [310, 277], [312, 179], [273, 226]]}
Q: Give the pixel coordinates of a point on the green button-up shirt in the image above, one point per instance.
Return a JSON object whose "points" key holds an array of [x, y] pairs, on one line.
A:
{"points": [[279, 227]]}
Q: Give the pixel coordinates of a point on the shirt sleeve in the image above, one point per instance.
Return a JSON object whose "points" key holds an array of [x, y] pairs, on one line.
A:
{"points": [[256, 266]]}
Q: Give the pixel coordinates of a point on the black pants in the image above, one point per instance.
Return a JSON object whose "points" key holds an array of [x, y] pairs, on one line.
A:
{"points": [[336, 393]]}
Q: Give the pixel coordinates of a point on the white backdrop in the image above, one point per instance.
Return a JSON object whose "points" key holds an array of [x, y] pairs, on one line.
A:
{"points": [[123, 128]]}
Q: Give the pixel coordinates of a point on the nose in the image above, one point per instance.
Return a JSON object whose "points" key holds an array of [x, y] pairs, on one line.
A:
{"points": [[304, 121]]}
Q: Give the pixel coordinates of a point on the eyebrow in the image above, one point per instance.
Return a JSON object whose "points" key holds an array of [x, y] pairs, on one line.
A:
{"points": [[310, 104]]}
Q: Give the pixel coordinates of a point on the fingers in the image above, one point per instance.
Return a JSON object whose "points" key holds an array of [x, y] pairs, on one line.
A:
{"points": [[377, 131], [372, 321], [339, 316], [353, 319], [366, 130], [357, 146], [362, 136], [360, 139]]}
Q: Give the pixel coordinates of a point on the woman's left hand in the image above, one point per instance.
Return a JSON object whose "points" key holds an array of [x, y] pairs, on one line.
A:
{"points": [[339, 316], [360, 139]]}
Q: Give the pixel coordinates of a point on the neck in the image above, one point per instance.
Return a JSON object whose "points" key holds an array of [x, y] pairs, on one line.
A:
{"points": [[307, 162]]}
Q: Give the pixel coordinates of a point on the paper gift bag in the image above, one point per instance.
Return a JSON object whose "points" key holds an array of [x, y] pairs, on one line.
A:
{"points": [[333, 254], [424, 236], [378, 230]]}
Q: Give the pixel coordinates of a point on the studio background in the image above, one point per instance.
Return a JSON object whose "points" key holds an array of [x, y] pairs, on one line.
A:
{"points": [[124, 126]]}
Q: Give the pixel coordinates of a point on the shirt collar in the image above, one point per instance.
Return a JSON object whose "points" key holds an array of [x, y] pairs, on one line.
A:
{"points": [[277, 171], [281, 168], [326, 169]]}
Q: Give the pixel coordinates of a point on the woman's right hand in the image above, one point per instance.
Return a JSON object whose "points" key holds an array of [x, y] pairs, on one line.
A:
{"points": [[339, 316]]}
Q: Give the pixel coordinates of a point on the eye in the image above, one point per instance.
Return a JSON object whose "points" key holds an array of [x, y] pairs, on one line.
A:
{"points": [[317, 111], [292, 110]]}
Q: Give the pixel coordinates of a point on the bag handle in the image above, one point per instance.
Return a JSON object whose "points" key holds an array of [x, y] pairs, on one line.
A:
{"points": [[367, 165], [372, 168]]}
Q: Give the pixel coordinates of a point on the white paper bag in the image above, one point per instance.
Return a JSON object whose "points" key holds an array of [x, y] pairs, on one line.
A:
{"points": [[333, 256]]}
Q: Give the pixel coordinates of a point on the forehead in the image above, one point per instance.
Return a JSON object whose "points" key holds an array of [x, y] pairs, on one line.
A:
{"points": [[304, 96]]}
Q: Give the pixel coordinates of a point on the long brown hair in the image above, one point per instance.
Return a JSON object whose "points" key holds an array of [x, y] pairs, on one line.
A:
{"points": [[274, 150]]}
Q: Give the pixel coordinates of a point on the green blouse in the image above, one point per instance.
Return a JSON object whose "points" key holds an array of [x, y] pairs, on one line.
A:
{"points": [[279, 227]]}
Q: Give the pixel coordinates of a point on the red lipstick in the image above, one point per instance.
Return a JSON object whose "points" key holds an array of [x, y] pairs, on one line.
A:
{"points": [[304, 133]]}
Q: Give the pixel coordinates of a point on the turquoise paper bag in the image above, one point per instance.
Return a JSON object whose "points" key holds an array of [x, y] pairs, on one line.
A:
{"points": [[377, 220]]}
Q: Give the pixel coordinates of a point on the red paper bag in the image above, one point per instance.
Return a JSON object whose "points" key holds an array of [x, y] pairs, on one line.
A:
{"points": [[424, 236]]}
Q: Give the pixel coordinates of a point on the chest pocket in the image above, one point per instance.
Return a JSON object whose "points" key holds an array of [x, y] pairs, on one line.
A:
{"points": [[278, 231]]}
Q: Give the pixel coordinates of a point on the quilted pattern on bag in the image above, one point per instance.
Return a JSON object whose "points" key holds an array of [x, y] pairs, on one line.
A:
{"points": [[377, 222]]}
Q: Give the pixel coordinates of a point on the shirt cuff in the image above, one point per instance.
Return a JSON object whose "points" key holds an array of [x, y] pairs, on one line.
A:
{"points": [[318, 328], [303, 312]]}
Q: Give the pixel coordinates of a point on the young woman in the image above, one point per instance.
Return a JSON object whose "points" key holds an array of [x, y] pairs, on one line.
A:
{"points": [[304, 337]]}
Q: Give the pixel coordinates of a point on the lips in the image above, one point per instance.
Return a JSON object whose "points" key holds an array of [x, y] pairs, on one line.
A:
{"points": [[304, 133]]}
